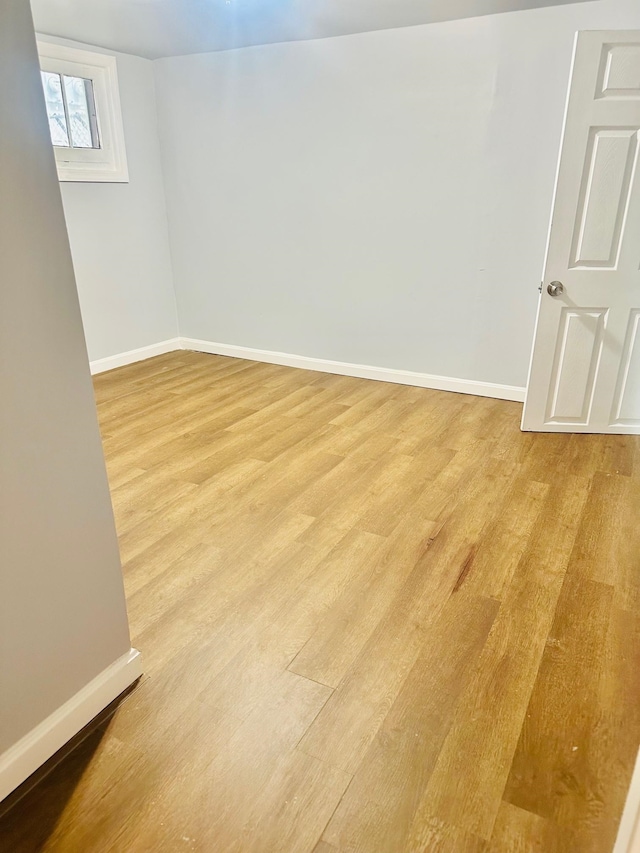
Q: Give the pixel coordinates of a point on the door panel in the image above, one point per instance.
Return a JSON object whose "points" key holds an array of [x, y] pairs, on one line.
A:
{"points": [[627, 399], [581, 332], [606, 186], [585, 364], [620, 71]]}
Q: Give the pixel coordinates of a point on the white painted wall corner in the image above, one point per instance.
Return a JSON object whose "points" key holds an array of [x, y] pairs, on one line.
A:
{"points": [[101, 365]]}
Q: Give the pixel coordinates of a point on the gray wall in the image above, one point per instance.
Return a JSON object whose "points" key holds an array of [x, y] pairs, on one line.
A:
{"points": [[119, 234], [62, 610], [381, 198]]}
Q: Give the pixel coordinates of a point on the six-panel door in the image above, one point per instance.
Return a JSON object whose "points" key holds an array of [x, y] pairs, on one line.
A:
{"points": [[585, 368]]}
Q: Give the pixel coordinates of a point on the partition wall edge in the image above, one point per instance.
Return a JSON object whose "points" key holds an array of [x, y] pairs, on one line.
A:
{"points": [[65, 650]]}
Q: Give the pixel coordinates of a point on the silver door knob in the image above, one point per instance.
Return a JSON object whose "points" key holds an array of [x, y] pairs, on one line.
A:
{"points": [[556, 288]]}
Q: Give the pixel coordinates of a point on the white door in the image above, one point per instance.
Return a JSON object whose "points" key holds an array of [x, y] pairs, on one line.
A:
{"points": [[585, 365]]}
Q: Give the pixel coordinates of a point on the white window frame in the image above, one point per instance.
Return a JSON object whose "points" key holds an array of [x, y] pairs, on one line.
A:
{"points": [[109, 162]]}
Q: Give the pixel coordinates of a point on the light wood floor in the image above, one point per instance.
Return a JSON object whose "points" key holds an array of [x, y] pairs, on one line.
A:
{"points": [[374, 618]]}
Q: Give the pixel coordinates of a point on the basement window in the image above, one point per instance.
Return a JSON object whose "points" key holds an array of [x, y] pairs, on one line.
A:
{"points": [[83, 107]]}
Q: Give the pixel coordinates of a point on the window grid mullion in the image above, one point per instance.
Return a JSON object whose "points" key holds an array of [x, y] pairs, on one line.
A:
{"points": [[66, 110], [93, 113]]}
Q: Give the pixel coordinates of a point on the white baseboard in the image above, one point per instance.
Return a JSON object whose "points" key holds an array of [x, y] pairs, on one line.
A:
{"points": [[362, 371], [342, 368], [103, 364], [36, 747]]}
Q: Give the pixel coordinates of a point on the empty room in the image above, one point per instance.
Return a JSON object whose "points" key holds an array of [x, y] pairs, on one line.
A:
{"points": [[316, 534]]}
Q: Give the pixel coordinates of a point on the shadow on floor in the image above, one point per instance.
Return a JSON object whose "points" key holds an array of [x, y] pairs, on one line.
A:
{"points": [[28, 817]]}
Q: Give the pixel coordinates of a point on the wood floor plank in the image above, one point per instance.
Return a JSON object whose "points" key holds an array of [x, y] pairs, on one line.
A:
{"points": [[391, 493], [434, 427], [293, 808], [554, 773], [157, 596], [65, 808], [399, 762], [323, 847], [144, 534], [501, 549], [292, 622], [607, 548], [520, 831], [223, 624], [466, 786], [343, 732], [558, 771], [332, 649], [334, 487], [145, 496], [369, 400], [206, 461], [374, 618], [226, 780], [440, 837]]}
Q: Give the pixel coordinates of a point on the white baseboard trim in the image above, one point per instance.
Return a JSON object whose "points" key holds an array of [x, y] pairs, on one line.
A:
{"points": [[362, 371], [101, 365], [342, 368], [36, 747]]}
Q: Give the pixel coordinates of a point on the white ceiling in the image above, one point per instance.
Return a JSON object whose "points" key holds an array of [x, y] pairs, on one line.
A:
{"points": [[155, 28]]}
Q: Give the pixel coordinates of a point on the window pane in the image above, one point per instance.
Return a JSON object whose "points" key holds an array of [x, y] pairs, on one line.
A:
{"points": [[79, 102], [55, 108]]}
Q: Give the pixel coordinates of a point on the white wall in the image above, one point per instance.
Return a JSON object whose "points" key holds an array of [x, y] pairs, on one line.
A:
{"points": [[118, 232], [380, 198], [62, 611]]}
